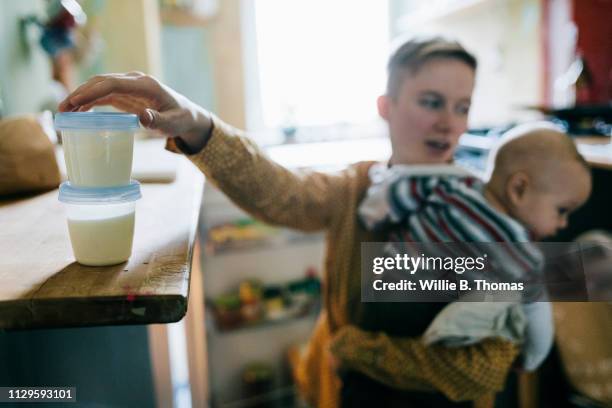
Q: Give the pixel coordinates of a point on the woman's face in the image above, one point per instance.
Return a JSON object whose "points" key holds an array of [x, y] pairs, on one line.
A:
{"points": [[429, 112]]}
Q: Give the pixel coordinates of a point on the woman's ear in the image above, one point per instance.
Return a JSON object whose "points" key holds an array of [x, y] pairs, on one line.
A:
{"points": [[516, 188], [382, 104]]}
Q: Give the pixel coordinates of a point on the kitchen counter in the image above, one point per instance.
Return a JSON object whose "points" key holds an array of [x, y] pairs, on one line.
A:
{"points": [[43, 287]]}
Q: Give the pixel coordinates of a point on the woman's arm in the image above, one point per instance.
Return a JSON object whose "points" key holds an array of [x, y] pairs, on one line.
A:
{"points": [[305, 200], [463, 373]]}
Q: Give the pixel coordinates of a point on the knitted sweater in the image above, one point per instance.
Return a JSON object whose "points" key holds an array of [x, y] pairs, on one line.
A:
{"points": [[316, 201]]}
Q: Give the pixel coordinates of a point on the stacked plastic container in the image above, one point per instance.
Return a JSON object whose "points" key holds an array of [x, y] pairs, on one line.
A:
{"points": [[99, 196]]}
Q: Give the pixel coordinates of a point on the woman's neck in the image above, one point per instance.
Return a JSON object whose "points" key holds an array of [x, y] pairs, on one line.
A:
{"points": [[394, 160]]}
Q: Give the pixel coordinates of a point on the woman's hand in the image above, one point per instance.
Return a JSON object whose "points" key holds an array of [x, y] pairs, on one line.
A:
{"points": [[158, 107]]}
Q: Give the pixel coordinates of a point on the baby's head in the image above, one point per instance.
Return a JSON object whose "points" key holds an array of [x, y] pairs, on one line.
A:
{"points": [[538, 176]]}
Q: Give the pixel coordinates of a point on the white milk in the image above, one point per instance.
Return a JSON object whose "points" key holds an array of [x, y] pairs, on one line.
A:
{"points": [[98, 158], [103, 241]]}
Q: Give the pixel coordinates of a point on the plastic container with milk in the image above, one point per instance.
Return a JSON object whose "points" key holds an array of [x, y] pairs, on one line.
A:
{"points": [[98, 147], [101, 221]]}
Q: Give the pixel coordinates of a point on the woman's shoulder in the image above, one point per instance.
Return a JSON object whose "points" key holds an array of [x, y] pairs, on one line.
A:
{"points": [[360, 173], [356, 173], [363, 167]]}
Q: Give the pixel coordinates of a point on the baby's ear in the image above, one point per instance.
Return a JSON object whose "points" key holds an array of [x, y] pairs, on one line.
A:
{"points": [[516, 187]]}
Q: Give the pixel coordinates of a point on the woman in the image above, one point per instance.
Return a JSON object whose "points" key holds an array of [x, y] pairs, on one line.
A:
{"points": [[426, 106]]}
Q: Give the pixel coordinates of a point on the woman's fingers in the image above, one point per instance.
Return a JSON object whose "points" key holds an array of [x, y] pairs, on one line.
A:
{"points": [[125, 103], [99, 90], [66, 105], [102, 86], [172, 122], [157, 106]]}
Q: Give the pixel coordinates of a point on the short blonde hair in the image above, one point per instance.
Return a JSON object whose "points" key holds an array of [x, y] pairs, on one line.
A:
{"points": [[411, 54]]}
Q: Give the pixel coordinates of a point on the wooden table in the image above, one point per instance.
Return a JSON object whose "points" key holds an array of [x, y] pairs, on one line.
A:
{"points": [[41, 285]]}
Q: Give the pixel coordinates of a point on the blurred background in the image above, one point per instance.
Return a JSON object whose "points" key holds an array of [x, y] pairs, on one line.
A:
{"points": [[310, 67], [302, 76]]}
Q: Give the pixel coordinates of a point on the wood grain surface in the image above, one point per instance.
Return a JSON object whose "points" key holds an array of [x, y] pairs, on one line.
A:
{"points": [[41, 285]]}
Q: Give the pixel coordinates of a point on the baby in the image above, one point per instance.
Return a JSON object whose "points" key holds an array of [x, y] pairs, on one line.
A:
{"points": [[536, 179]]}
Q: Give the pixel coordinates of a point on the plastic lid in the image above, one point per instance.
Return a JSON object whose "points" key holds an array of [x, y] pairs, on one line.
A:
{"points": [[96, 121], [99, 195]]}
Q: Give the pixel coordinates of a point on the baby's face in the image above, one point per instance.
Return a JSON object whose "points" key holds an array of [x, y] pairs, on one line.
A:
{"points": [[545, 211]]}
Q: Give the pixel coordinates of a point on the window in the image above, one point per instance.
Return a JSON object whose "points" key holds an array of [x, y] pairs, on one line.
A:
{"points": [[314, 62]]}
